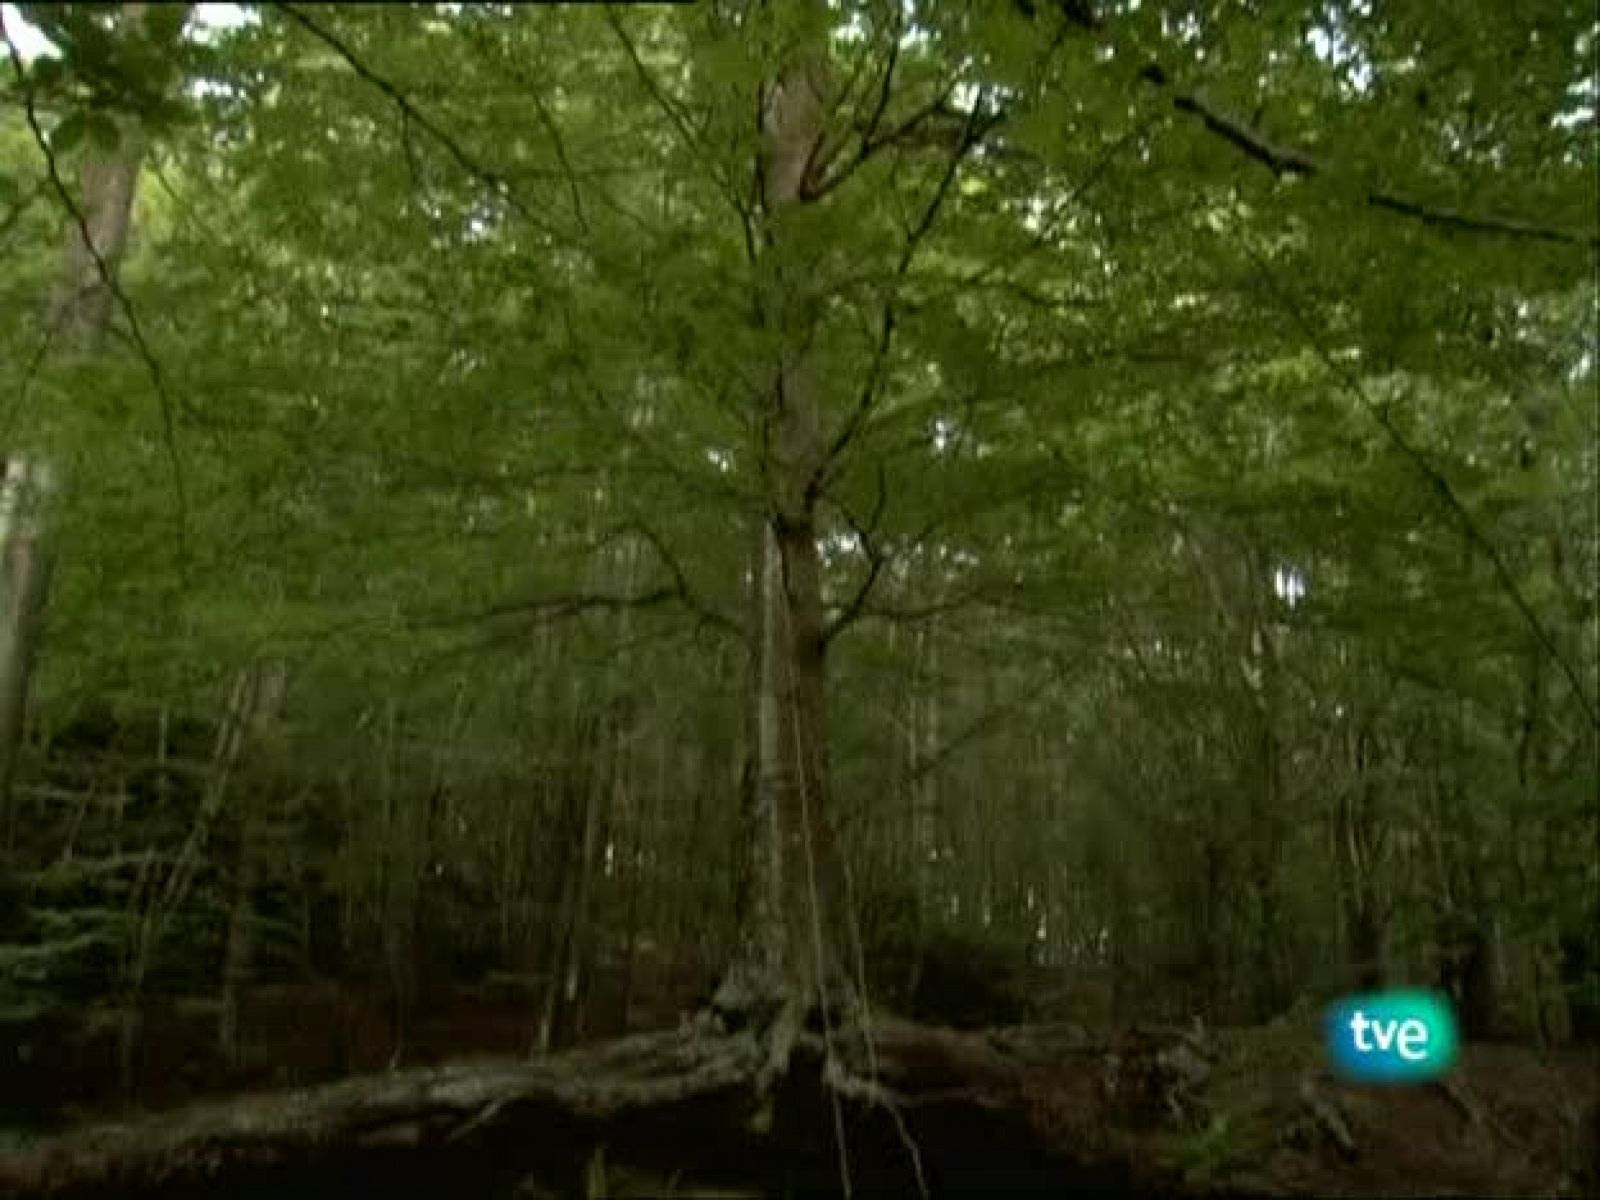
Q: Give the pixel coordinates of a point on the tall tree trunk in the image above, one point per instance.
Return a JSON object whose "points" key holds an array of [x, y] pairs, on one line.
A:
{"points": [[1270, 981], [398, 883], [159, 898], [97, 240], [786, 956], [563, 961], [266, 683], [110, 180], [79, 312], [97, 235], [925, 803], [1357, 836]]}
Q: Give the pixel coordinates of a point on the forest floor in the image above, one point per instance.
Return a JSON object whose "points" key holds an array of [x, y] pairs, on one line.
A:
{"points": [[1508, 1121], [1224, 1111]]}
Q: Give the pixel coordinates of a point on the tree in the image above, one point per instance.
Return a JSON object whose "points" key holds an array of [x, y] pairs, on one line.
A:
{"points": [[1128, 469]]}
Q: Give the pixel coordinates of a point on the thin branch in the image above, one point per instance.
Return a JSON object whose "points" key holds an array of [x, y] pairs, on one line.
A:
{"points": [[886, 84], [663, 99], [558, 143], [1281, 160], [931, 761], [1039, 238], [678, 115], [908, 131], [1285, 160], [846, 102], [933, 125], [503, 640], [1475, 535], [680, 579], [492, 179], [571, 176], [938, 125], [922, 612], [876, 560], [976, 129], [649, 448], [1451, 218], [548, 610]]}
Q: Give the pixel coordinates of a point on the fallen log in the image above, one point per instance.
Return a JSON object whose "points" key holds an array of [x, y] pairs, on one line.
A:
{"points": [[894, 1107]]}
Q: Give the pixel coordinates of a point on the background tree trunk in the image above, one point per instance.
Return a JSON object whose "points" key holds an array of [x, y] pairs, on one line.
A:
{"points": [[24, 580], [265, 688], [97, 238]]}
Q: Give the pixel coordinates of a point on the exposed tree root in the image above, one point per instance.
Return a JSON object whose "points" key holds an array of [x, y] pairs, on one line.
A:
{"points": [[736, 1105], [891, 1108]]}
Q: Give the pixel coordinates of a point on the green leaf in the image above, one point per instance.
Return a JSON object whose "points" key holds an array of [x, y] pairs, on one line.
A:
{"points": [[47, 73], [103, 132], [68, 133]]}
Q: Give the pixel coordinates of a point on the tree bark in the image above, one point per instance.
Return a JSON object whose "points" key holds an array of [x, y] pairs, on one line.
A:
{"points": [[97, 238], [80, 311], [786, 960], [1363, 933], [24, 579], [266, 683]]}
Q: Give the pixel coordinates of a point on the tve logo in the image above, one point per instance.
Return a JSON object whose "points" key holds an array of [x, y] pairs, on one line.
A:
{"points": [[1392, 1037]]}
